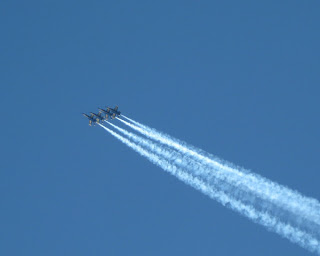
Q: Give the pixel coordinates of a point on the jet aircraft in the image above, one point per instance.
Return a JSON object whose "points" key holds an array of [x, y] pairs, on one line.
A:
{"points": [[99, 117], [92, 119], [114, 111], [110, 113]]}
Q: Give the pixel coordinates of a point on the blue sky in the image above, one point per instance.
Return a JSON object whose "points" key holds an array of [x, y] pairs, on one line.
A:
{"points": [[239, 79]]}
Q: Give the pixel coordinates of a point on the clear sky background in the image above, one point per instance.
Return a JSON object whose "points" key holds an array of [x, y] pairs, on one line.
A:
{"points": [[239, 79]]}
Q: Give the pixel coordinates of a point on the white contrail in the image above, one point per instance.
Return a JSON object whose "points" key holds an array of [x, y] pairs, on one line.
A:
{"points": [[232, 189], [294, 234], [288, 199], [188, 164], [170, 154]]}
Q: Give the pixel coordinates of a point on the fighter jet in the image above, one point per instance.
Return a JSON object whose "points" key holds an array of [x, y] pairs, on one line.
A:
{"points": [[107, 114], [99, 117], [92, 119], [112, 113]]}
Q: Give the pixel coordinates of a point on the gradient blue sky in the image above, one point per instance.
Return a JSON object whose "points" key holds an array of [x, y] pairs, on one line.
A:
{"points": [[239, 79]]}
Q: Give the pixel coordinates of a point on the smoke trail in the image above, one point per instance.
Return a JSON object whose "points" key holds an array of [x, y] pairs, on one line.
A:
{"points": [[291, 200], [173, 156], [285, 230], [183, 161]]}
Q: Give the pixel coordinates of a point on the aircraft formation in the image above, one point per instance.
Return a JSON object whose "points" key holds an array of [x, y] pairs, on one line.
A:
{"points": [[103, 115]]}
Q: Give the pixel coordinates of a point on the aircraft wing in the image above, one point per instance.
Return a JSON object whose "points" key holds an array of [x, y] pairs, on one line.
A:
{"points": [[116, 108], [91, 115]]}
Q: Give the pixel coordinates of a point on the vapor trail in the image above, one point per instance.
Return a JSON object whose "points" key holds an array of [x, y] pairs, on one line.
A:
{"points": [[183, 161], [170, 154], [294, 234], [284, 197]]}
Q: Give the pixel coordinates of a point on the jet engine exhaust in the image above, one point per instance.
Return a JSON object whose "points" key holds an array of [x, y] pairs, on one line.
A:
{"points": [[278, 208]]}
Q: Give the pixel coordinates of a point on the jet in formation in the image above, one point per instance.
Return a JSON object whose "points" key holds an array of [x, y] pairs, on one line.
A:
{"points": [[112, 112], [99, 118], [92, 119]]}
